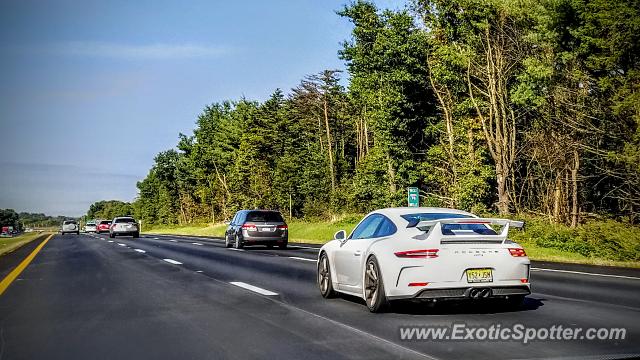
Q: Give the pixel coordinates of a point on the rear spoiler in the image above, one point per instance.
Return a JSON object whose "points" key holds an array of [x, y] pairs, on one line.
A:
{"points": [[435, 227]]}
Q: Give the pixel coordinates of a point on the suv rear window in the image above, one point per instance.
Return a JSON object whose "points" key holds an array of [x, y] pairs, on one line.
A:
{"points": [[69, 222], [264, 216], [105, 222], [125, 220]]}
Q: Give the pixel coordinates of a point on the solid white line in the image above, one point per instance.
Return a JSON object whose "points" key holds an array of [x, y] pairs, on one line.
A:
{"points": [[171, 261], [303, 247], [253, 288], [197, 244], [586, 273], [301, 258], [234, 249], [140, 250]]}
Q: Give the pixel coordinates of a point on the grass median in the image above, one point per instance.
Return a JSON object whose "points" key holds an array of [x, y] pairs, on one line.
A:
{"points": [[8, 244], [607, 243]]}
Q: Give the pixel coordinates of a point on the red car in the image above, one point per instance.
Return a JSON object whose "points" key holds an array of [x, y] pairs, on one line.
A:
{"points": [[103, 226]]}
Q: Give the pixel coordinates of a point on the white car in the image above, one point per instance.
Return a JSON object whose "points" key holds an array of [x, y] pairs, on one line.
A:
{"points": [[425, 254], [90, 227], [125, 225]]}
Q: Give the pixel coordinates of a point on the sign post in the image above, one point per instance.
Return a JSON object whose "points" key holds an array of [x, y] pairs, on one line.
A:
{"points": [[413, 197]]}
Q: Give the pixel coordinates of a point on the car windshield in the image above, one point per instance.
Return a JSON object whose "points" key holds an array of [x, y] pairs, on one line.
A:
{"points": [[264, 216]]}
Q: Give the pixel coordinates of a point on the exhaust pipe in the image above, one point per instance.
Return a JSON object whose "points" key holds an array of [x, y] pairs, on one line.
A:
{"points": [[481, 293]]}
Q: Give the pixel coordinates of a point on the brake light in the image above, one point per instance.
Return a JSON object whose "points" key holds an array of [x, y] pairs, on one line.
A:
{"points": [[524, 280], [249, 227], [426, 253], [283, 227], [516, 252], [419, 284]]}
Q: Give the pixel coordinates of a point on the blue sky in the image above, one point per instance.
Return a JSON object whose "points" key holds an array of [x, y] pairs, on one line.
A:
{"points": [[92, 90]]}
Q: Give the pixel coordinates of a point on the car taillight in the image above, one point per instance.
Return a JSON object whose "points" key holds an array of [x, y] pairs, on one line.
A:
{"points": [[426, 253], [249, 227], [517, 252], [283, 227], [418, 284]]}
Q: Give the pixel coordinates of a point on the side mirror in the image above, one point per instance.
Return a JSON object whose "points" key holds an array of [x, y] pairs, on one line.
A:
{"points": [[340, 235]]}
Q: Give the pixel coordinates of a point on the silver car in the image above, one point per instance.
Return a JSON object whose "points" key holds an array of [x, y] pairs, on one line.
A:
{"points": [[70, 226], [125, 225]]}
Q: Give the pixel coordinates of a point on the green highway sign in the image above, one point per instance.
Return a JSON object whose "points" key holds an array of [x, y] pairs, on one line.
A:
{"points": [[413, 197]]}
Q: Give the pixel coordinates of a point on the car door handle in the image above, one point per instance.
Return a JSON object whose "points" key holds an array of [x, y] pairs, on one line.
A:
{"points": [[357, 253]]}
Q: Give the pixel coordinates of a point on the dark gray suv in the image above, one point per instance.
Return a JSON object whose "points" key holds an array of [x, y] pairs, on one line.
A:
{"points": [[257, 227]]}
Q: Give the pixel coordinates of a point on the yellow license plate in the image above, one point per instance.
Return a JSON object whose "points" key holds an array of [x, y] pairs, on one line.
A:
{"points": [[479, 275]]}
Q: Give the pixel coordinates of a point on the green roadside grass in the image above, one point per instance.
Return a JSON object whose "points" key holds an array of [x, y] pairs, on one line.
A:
{"points": [[9, 244], [606, 243]]}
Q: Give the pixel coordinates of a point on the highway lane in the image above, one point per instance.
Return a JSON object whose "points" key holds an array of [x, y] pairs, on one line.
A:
{"points": [[126, 293]]}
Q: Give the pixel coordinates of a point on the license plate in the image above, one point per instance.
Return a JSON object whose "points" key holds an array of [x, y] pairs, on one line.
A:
{"points": [[266, 229], [479, 275]]}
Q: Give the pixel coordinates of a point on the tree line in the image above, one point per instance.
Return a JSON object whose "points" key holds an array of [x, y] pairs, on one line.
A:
{"points": [[508, 106]]}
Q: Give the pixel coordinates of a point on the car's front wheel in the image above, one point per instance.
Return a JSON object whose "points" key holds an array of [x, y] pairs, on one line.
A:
{"points": [[238, 243], [324, 277], [112, 235], [374, 287]]}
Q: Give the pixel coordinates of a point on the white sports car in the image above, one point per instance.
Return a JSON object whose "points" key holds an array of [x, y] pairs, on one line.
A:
{"points": [[425, 254]]}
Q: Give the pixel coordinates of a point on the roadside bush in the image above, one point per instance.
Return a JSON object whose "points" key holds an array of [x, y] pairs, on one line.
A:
{"points": [[609, 239]]}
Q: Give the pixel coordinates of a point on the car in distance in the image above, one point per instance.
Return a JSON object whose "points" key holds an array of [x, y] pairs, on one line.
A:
{"points": [[103, 226], [90, 226], [257, 227], [427, 254], [70, 226], [124, 225]]}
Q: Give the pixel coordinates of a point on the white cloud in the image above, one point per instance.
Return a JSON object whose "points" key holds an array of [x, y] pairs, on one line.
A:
{"points": [[157, 51]]}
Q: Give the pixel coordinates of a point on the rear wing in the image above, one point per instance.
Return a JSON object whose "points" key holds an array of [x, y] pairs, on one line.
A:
{"points": [[435, 229]]}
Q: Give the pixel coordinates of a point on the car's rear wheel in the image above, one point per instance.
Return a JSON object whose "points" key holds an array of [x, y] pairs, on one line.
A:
{"points": [[374, 287], [324, 277], [238, 243], [136, 235], [112, 235], [227, 242]]}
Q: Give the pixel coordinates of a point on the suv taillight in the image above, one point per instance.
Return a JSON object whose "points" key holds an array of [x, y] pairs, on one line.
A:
{"points": [[283, 227], [249, 227]]}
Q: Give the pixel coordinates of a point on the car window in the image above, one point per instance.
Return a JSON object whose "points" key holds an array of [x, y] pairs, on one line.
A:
{"points": [[105, 222], [264, 216], [368, 227], [386, 228], [457, 229], [125, 220], [233, 220]]}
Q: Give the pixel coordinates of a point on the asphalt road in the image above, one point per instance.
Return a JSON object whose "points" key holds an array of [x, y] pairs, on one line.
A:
{"points": [[170, 297]]}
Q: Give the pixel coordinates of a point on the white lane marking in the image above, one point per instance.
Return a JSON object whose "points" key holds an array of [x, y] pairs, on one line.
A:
{"points": [[121, 244], [234, 249], [197, 244], [140, 250], [156, 238], [253, 288], [586, 273], [173, 240], [110, 240], [304, 247], [301, 258], [171, 261], [198, 271]]}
